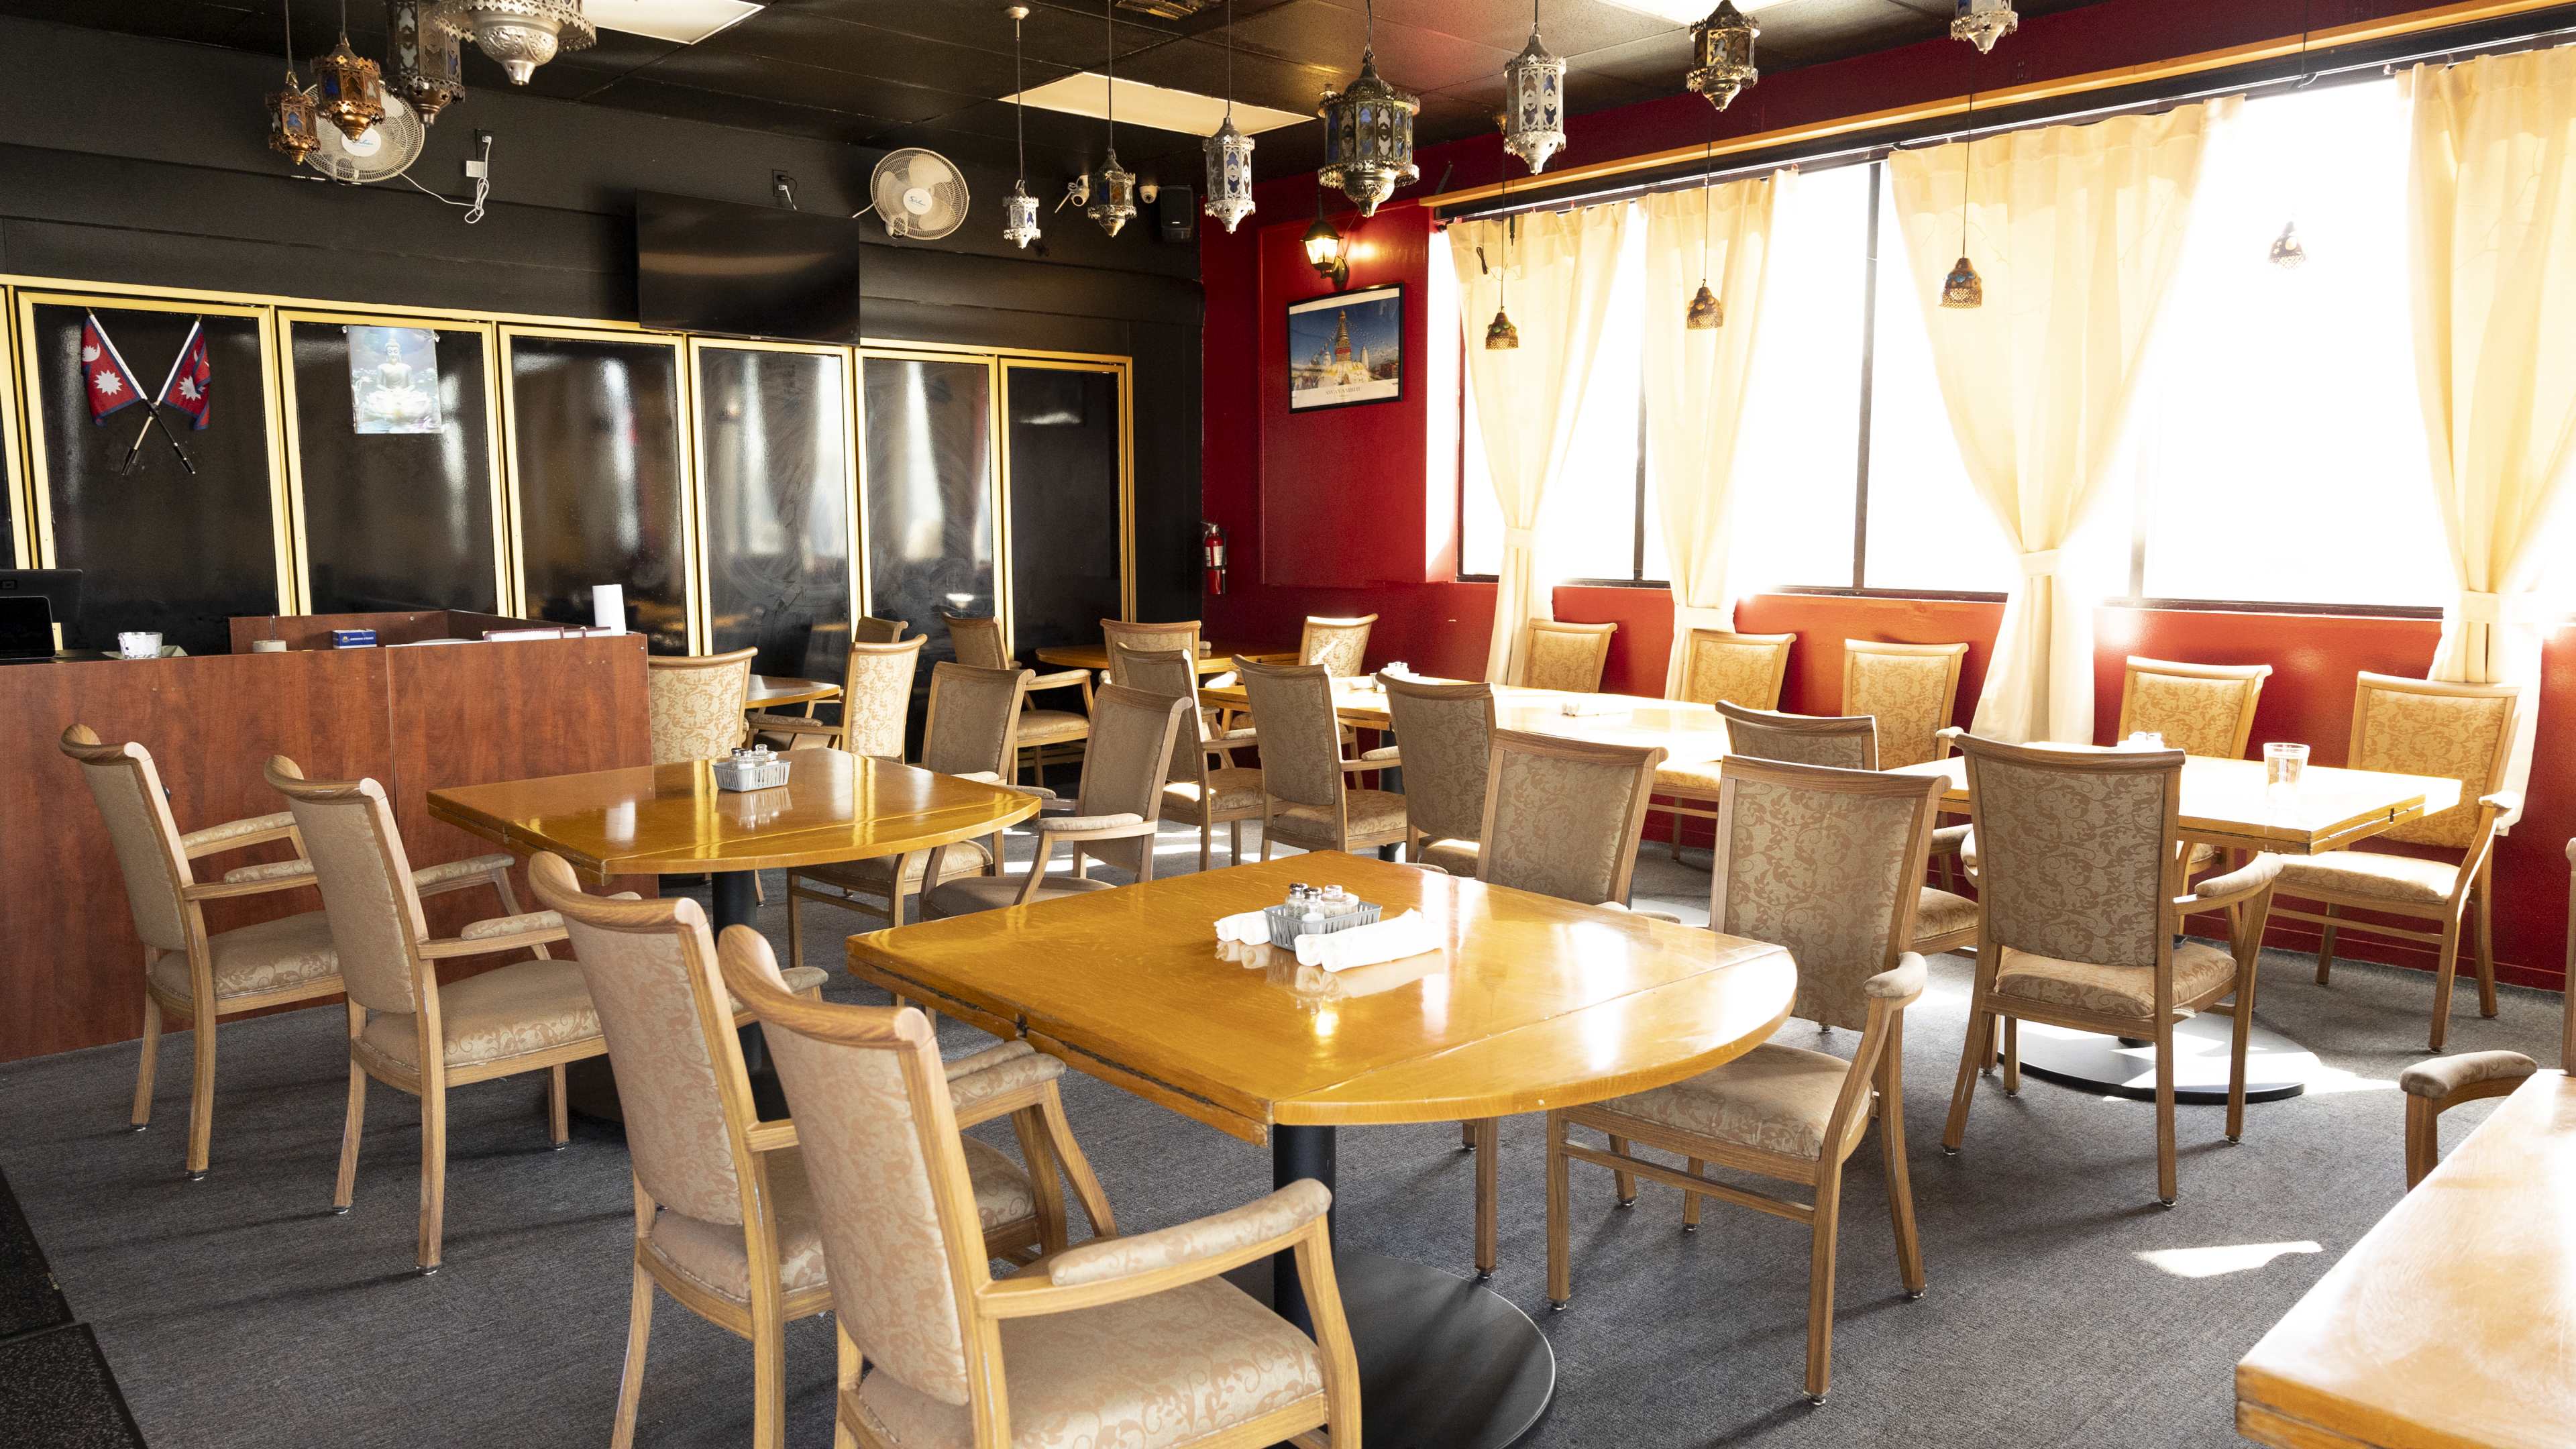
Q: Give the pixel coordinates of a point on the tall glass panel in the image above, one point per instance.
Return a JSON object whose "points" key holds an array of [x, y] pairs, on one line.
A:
{"points": [[1064, 504], [927, 439], [777, 479], [393, 435], [161, 548], [595, 446]]}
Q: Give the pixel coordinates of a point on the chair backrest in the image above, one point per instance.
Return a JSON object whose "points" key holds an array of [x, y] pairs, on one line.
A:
{"points": [[695, 703], [1448, 735], [976, 639], [1827, 863], [2425, 727], [879, 1140], [1910, 689], [1563, 817], [1719, 667], [1337, 644], [868, 629], [2199, 709], [1172, 675], [1183, 635], [364, 874], [651, 969], [876, 696], [2077, 849], [128, 790], [1557, 655], [1841, 742], [1133, 735], [974, 719], [1301, 734]]}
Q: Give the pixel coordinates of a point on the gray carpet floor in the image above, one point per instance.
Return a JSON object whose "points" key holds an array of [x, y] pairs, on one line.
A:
{"points": [[2066, 1308]]}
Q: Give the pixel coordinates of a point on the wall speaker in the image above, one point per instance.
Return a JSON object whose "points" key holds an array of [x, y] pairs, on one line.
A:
{"points": [[1179, 211]]}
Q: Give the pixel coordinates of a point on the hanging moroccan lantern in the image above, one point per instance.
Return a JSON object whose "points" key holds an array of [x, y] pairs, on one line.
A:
{"points": [[1229, 152], [1722, 55], [1368, 134], [1706, 313], [518, 35], [294, 128], [1534, 91], [424, 63], [1019, 216], [1113, 201], [1963, 288], [348, 89], [1019, 209], [1500, 334], [1983, 22]]}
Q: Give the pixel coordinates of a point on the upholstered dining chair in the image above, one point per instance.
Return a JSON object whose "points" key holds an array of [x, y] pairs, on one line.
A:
{"points": [[1570, 657], [1045, 735], [1562, 818], [1339, 645], [2080, 880], [725, 1219], [1910, 689], [1845, 743], [405, 1029], [875, 704], [1203, 787], [1137, 1340], [198, 975], [1182, 635], [2435, 1087], [1447, 735], [1120, 806], [971, 729], [1723, 667], [869, 629], [1306, 800], [2421, 727], [694, 703], [1824, 862], [2199, 709]]}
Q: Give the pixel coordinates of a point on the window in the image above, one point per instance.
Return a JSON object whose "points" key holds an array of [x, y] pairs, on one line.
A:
{"points": [[2275, 454]]}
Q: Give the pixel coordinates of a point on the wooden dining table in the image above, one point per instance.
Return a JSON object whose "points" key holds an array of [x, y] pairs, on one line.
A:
{"points": [[777, 691], [1528, 1003], [1212, 660], [1688, 734], [2452, 1323]]}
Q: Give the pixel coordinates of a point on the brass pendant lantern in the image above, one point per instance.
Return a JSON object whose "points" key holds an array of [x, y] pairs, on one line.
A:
{"points": [[347, 86], [1534, 91], [1368, 134], [1722, 55], [1113, 201], [1019, 209], [424, 62], [2288, 253], [1983, 22], [1706, 313], [1963, 288], [294, 128], [1500, 334], [518, 35], [1229, 152]]}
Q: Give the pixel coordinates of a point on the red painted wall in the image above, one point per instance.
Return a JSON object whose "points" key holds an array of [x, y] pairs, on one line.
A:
{"points": [[1329, 513]]}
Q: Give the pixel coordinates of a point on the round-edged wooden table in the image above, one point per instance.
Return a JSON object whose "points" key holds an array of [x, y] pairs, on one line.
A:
{"points": [[777, 691], [1530, 1003], [1212, 660]]}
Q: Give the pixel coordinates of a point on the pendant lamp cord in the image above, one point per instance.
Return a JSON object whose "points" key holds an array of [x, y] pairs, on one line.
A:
{"points": [[1707, 163], [1019, 108], [1229, 59], [1968, 171], [1109, 26], [290, 37]]}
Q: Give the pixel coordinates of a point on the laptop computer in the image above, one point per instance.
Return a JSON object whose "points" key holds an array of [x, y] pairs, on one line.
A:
{"points": [[26, 628]]}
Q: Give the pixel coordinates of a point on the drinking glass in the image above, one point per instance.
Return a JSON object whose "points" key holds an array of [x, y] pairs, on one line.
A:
{"points": [[2284, 765]]}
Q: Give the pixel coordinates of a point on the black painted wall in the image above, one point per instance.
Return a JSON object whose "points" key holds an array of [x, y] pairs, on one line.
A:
{"points": [[133, 160]]}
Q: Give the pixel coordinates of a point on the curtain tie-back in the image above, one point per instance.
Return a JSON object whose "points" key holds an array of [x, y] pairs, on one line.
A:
{"points": [[1520, 538], [2481, 608], [2040, 564]]}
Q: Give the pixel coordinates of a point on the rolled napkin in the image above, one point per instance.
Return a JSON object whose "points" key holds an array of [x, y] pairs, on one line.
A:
{"points": [[1251, 928], [1407, 935]]}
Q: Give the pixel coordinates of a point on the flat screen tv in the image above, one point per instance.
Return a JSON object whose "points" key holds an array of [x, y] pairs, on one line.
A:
{"points": [[745, 271]]}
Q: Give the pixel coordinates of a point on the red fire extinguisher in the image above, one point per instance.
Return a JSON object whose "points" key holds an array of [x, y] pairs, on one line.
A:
{"points": [[1212, 544]]}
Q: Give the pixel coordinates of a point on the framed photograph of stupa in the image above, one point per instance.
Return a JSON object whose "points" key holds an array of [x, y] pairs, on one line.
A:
{"points": [[1346, 350]]}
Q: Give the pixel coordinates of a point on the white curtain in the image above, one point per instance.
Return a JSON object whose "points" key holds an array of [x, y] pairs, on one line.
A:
{"points": [[2492, 195], [1559, 269], [1695, 382], [2076, 231]]}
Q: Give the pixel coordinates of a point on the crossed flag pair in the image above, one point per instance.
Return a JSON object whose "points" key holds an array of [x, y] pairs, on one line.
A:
{"points": [[110, 386]]}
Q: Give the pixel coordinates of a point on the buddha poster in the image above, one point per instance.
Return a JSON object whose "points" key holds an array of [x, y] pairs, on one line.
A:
{"points": [[393, 380]]}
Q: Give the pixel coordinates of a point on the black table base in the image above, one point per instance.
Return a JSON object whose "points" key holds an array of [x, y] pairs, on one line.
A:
{"points": [[1443, 1361], [2275, 1066]]}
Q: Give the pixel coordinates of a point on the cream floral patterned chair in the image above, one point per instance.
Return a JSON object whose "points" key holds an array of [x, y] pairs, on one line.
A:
{"points": [[1910, 689], [1203, 787], [1340, 645], [1570, 657], [725, 1219], [872, 630], [1761, 733], [2435, 1087], [1182, 635], [1721, 667], [1133, 1341], [1114, 817], [2080, 876], [972, 730], [197, 975], [406, 1029], [2199, 709], [1045, 735], [875, 704], [1305, 801], [694, 704], [1563, 818], [2421, 727], [1447, 735], [1824, 862]]}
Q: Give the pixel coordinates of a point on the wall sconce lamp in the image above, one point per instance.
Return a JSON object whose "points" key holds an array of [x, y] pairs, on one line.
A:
{"points": [[1327, 250]]}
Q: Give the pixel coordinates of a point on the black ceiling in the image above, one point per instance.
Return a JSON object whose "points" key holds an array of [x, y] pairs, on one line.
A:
{"points": [[925, 72]]}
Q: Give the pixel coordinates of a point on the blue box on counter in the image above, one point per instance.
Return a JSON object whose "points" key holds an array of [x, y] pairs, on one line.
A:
{"points": [[353, 638]]}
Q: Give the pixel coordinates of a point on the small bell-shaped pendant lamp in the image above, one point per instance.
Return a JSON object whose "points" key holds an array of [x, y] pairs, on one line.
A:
{"points": [[1706, 312], [1500, 334]]}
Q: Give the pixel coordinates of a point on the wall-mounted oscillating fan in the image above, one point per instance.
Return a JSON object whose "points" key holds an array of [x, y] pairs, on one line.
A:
{"points": [[386, 150], [918, 194]]}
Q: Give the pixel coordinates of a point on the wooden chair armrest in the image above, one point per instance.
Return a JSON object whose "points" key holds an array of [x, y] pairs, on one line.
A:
{"points": [[1122, 826], [241, 834], [458, 875], [2486, 1074], [2255, 877], [277, 874], [1062, 679], [1948, 735], [791, 724], [489, 938], [217, 890], [1389, 758], [1114, 1269], [775, 1136]]}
